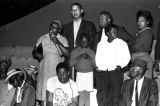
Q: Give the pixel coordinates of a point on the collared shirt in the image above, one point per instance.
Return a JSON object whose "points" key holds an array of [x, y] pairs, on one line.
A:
{"points": [[140, 82], [109, 55], [76, 25]]}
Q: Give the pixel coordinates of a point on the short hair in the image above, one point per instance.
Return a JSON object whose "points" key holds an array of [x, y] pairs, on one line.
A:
{"points": [[147, 15], [80, 7], [62, 65], [84, 35], [108, 29], [77, 4], [108, 14]]}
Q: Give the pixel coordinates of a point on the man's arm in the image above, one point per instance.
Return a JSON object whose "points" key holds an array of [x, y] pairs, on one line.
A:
{"points": [[28, 97], [49, 98], [153, 94], [92, 35]]}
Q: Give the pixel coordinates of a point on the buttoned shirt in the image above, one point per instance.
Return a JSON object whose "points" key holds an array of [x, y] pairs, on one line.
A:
{"points": [[76, 25], [140, 82]]}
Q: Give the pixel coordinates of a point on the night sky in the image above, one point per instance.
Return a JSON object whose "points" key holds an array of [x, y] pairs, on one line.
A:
{"points": [[11, 10]]}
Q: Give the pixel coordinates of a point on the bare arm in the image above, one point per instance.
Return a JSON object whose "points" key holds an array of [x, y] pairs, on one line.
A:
{"points": [[49, 98]]}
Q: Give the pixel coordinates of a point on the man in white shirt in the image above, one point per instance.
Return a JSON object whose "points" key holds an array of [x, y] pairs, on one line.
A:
{"points": [[61, 90], [140, 90], [112, 55]]}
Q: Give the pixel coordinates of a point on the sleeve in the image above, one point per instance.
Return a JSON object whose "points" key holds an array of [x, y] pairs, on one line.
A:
{"points": [[50, 84], [39, 40], [64, 41], [92, 34], [123, 96], [127, 37], [124, 55], [92, 55], [75, 89], [29, 97], [73, 58], [153, 94]]}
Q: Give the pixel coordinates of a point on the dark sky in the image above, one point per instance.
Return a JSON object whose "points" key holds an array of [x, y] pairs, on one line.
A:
{"points": [[11, 10]]}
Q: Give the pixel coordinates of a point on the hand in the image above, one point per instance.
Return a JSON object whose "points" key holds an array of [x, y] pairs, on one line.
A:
{"points": [[118, 68], [86, 56], [81, 56], [97, 69]]}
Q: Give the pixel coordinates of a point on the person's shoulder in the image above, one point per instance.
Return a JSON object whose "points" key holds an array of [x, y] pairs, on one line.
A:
{"points": [[149, 80], [147, 31], [77, 49], [52, 79], [87, 22], [120, 41], [128, 81], [72, 82]]}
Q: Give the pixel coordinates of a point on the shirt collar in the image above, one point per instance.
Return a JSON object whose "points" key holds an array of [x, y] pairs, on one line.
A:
{"points": [[77, 21], [9, 86], [141, 80]]}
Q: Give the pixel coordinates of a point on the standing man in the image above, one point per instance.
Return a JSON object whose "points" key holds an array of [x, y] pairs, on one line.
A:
{"points": [[140, 90], [105, 19], [74, 29], [78, 26], [112, 55]]}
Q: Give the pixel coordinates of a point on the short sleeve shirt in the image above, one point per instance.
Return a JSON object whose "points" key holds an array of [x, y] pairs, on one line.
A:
{"points": [[62, 93]]}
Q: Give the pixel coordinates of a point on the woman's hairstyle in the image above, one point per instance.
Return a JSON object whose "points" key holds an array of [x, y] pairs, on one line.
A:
{"points": [[147, 15], [62, 65]]}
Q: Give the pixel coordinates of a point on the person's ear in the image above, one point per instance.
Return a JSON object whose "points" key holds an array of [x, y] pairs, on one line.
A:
{"points": [[82, 11], [147, 23], [109, 20]]}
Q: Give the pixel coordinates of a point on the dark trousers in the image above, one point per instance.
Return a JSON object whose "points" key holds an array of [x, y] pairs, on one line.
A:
{"points": [[108, 85]]}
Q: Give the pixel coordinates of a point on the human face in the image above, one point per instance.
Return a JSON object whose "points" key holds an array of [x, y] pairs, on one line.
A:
{"points": [[15, 81], [84, 42], [137, 72], [63, 75], [112, 34], [76, 12], [142, 22], [54, 28], [104, 20]]}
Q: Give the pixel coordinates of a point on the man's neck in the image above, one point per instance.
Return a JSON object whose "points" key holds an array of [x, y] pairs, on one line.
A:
{"points": [[77, 20]]}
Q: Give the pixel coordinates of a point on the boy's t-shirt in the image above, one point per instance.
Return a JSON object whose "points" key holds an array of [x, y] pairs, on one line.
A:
{"points": [[62, 93]]}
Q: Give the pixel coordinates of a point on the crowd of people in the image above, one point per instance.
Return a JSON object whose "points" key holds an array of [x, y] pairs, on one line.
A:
{"points": [[75, 60]]}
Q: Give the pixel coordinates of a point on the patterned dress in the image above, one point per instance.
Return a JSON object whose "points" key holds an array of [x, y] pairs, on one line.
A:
{"points": [[52, 56]]}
